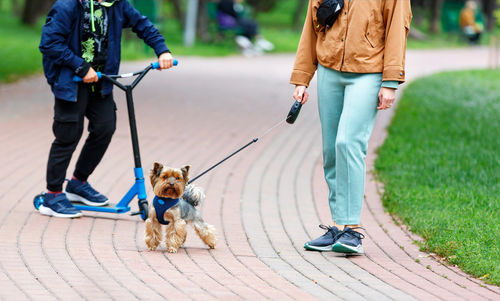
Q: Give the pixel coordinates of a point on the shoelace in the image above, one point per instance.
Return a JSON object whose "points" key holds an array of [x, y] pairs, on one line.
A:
{"points": [[352, 232], [326, 228]]}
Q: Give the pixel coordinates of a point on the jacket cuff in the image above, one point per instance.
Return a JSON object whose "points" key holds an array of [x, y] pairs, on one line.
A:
{"points": [[301, 78], [393, 73], [160, 49], [390, 84], [83, 69]]}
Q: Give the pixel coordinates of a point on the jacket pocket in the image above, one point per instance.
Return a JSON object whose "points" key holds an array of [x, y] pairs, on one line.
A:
{"points": [[367, 36], [373, 33]]}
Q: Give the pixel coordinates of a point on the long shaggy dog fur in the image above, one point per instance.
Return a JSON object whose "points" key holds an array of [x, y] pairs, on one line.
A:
{"points": [[172, 183]]}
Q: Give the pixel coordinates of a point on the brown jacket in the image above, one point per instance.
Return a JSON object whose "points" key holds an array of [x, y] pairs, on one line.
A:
{"points": [[369, 36], [468, 18]]}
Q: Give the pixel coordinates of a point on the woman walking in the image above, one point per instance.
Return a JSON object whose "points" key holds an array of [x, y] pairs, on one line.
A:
{"points": [[360, 62]]}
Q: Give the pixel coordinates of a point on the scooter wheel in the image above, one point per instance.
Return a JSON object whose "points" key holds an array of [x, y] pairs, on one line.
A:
{"points": [[144, 209], [38, 201]]}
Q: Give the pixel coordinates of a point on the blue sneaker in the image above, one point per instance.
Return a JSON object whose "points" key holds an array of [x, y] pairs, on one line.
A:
{"points": [[82, 192], [58, 206], [348, 242], [324, 242]]}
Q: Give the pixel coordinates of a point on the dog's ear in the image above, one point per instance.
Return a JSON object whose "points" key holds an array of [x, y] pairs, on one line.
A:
{"points": [[185, 172], [155, 172]]}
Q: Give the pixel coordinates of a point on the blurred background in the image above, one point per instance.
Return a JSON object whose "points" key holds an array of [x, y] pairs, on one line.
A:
{"points": [[195, 27]]}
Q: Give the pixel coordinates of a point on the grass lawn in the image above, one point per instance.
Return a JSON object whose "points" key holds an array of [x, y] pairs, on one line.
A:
{"points": [[441, 168]]}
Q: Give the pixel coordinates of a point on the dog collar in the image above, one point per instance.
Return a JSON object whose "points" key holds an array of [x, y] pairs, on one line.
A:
{"points": [[161, 205]]}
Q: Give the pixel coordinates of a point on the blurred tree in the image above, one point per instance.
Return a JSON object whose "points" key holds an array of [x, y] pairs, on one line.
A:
{"points": [[437, 5], [33, 9], [299, 14], [178, 12], [497, 13], [202, 28], [489, 7], [16, 7], [262, 5]]}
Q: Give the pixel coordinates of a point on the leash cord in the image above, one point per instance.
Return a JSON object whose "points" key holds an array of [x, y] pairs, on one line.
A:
{"points": [[239, 150]]}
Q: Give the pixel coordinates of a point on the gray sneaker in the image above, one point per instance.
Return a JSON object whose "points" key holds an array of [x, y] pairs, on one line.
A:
{"points": [[348, 242], [324, 242]]}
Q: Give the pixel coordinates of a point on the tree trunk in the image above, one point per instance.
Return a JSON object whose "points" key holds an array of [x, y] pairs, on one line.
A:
{"points": [[16, 7], [202, 24], [298, 22], [178, 13], [33, 9], [437, 5], [489, 9]]}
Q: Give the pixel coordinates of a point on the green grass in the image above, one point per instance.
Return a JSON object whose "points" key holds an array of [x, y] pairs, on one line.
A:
{"points": [[441, 168], [18, 49]]}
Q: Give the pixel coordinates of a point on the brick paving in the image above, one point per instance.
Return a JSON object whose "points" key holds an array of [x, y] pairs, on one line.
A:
{"points": [[265, 203]]}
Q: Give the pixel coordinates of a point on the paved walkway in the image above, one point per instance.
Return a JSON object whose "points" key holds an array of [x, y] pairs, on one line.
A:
{"points": [[265, 203]]}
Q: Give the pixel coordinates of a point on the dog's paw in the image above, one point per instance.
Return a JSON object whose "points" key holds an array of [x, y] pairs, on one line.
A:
{"points": [[172, 250], [152, 247]]}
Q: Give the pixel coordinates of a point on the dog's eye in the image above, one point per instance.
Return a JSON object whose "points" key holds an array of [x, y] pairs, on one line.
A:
{"points": [[178, 178], [165, 177]]}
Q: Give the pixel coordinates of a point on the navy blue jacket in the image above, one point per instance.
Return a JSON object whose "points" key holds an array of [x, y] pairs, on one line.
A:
{"points": [[61, 46]]}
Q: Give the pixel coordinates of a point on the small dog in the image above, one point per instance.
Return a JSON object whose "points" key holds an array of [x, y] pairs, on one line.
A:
{"points": [[174, 206]]}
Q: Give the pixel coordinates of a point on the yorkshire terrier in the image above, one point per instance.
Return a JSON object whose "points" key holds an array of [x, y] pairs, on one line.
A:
{"points": [[174, 206]]}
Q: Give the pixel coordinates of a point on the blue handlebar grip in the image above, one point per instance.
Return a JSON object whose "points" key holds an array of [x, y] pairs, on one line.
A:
{"points": [[156, 65], [78, 79]]}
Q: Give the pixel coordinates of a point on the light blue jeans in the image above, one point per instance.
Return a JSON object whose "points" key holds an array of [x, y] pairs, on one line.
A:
{"points": [[347, 109]]}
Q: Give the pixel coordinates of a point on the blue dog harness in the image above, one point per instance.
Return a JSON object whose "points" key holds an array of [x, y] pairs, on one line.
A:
{"points": [[161, 206]]}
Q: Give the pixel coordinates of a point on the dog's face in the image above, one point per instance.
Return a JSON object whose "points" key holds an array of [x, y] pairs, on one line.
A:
{"points": [[169, 182]]}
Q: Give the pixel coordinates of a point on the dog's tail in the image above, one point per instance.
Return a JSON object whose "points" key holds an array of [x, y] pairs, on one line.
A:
{"points": [[194, 195]]}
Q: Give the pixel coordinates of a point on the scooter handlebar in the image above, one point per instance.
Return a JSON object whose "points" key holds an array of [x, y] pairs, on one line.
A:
{"points": [[78, 79], [156, 65]]}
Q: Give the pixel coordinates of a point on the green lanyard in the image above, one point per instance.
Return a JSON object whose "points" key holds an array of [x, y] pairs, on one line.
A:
{"points": [[103, 3]]}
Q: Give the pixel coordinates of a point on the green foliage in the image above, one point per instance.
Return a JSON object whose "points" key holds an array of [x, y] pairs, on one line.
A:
{"points": [[18, 50], [441, 167]]}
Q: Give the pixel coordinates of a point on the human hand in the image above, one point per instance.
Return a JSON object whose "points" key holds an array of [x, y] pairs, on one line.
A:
{"points": [[386, 98], [166, 60], [91, 77], [300, 94]]}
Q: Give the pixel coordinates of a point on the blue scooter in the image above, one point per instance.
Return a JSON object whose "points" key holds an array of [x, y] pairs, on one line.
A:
{"points": [[138, 188]]}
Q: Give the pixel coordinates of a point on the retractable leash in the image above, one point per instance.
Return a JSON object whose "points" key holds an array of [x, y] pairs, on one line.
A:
{"points": [[138, 188], [290, 118]]}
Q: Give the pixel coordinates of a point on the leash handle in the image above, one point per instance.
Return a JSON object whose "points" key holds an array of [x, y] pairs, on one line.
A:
{"points": [[294, 112]]}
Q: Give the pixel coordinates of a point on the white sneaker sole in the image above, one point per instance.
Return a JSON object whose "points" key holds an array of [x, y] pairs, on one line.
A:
{"points": [[321, 249], [347, 249], [76, 198], [47, 211]]}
